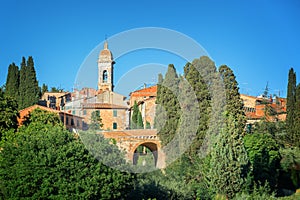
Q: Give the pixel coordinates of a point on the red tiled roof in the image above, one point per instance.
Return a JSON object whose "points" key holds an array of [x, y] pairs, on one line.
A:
{"points": [[150, 91], [30, 108], [24, 112]]}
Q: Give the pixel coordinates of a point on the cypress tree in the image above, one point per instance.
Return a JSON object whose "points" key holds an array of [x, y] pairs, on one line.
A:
{"points": [[28, 89], [169, 109], [200, 89], [134, 118], [159, 114], [140, 123], [229, 164], [217, 99], [22, 85], [234, 104], [291, 107], [297, 119], [12, 81], [32, 84]]}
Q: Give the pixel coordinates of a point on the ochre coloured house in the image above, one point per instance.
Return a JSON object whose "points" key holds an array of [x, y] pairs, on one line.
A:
{"points": [[145, 98], [71, 122], [258, 108], [113, 107]]}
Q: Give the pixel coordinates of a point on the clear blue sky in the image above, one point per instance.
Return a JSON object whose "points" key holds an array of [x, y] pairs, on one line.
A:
{"points": [[258, 39]]}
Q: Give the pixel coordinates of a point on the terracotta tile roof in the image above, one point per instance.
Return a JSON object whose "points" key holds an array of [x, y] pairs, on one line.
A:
{"points": [[150, 91], [30, 108], [24, 112], [102, 106]]}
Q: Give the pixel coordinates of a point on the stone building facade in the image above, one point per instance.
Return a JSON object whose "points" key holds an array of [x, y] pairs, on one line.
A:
{"points": [[55, 100], [71, 122], [113, 107], [145, 99], [255, 108]]}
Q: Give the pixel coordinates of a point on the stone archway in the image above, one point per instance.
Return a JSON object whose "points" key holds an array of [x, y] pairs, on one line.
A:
{"points": [[152, 146], [130, 140]]}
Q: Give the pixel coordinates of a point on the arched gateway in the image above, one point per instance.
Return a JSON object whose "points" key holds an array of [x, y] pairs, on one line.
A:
{"points": [[138, 144]]}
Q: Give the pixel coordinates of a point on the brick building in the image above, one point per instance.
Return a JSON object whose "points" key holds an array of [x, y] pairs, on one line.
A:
{"points": [[113, 107], [145, 99], [258, 108], [70, 121], [55, 100]]}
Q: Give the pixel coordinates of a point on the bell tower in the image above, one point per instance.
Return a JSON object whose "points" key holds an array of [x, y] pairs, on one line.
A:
{"points": [[105, 69]]}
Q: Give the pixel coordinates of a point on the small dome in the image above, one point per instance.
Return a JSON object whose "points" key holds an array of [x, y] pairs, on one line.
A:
{"points": [[105, 54]]}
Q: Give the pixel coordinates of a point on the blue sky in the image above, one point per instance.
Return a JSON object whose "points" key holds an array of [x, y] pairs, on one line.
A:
{"points": [[258, 39]]}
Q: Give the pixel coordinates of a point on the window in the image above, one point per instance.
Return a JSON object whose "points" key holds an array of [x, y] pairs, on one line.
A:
{"points": [[84, 112], [72, 122], [67, 120], [104, 76], [73, 112], [62, 118], [115, 125], [78, 124], [115, 113]]}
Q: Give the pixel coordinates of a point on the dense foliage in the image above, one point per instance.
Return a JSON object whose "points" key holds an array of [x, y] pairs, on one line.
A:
{"points": [[8, 114], [45, 161], [42, 160], [263, 153]]}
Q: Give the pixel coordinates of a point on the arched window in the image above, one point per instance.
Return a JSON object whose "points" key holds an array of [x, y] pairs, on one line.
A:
{"points": [[104, 76]]}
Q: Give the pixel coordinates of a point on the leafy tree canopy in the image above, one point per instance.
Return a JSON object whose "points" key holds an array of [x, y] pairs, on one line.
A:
{"points": [[263, 153], [8, 114], [50, 163]]}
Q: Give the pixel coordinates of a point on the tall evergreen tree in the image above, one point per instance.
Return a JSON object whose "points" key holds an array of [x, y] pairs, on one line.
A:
{"points": [[28, 89], [22, 85], [32, 83], [297, 119], [169, 109], [216, 88], [229, 162], [140, 123], [136, 119], [234, 104], [12, 81], [291, 108], [200, 89]]}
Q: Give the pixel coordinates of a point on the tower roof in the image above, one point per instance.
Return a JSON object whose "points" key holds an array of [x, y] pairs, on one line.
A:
{"points": [[105, 54]]}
